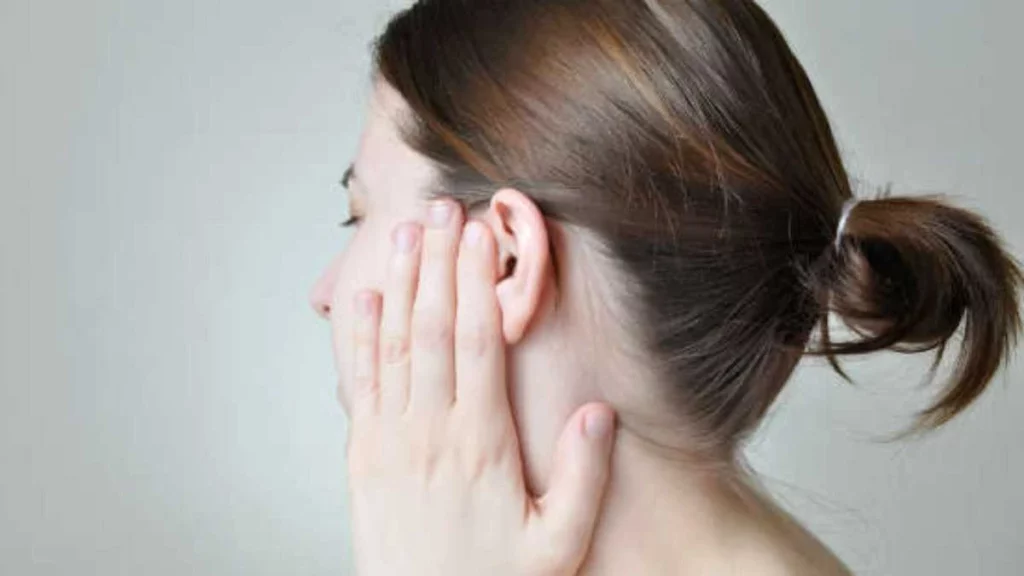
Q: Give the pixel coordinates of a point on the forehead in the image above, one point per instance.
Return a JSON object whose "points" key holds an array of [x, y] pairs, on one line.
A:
{"points": [[385, 164]]}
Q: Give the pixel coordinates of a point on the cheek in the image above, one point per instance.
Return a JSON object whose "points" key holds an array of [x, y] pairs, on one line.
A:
{"points": [[363, 266]]}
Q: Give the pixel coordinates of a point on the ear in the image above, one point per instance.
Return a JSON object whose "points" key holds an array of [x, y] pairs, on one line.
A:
{"points": [[524, 259]]}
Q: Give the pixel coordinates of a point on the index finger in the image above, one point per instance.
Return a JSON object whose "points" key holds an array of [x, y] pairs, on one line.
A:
{"points": [[479, 342]]}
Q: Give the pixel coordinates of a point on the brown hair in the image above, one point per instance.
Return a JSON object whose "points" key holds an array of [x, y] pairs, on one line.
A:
{"points": [[686, 135]]}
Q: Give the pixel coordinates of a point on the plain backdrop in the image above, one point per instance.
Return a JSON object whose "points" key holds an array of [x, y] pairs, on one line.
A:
{"points": [[169, 194]]}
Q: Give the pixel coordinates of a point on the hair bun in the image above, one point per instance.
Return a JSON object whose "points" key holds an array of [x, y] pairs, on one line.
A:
{"points": [[907, 272]]}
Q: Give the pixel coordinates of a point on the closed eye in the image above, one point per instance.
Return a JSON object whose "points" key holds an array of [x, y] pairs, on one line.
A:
{"points": [[346, 181]]}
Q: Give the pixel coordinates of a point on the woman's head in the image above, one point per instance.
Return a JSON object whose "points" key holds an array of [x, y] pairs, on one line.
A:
{"points": [[676, 156]]}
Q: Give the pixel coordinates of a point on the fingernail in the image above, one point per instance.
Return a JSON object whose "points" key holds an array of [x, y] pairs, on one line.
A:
{"points": [[439, 213], [474, 231], [597, 423], [404, 238]]}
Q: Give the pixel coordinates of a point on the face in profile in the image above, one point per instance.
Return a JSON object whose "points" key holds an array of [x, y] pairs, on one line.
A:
{"points": [[386, 185], [389, 185]]}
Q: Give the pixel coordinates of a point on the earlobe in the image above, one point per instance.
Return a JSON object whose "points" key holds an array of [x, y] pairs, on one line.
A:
{"points": [[524, 259]]}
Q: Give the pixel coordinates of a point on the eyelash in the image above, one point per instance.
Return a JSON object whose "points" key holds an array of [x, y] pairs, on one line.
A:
{"points": [[352, 220]]}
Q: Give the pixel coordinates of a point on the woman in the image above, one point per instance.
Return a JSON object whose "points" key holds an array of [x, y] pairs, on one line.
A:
{"points": [[666, 225]]}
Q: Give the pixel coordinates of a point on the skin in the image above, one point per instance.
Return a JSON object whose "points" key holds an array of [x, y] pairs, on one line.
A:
{"points": [[564, 346], [432, 439]]}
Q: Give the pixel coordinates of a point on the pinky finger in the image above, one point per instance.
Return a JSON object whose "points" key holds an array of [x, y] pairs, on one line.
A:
{"points": [[365, 332]]}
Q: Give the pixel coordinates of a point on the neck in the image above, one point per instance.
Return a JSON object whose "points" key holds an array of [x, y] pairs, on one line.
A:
{"points": [[664, 517], [661, 516]]}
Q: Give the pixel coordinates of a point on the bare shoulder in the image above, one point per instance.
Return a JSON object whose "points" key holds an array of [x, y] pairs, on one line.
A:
{"points": [[811, 561], [776, 544], [772, 555]]}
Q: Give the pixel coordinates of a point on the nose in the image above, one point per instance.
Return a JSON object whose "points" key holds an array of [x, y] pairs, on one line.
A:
{"points": [[320, 295]]}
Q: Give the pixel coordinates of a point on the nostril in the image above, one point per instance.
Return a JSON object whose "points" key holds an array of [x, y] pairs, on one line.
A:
{"points": [[321, 307]]}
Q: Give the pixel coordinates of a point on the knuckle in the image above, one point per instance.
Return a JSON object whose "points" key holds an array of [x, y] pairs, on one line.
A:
{"points": [[364, 380], [432, 331], [364, 339], [473, 340], [475, 469], [360, 402], [425, 456], [478, 462], [480, 450], [428, 464], [394, 349]]}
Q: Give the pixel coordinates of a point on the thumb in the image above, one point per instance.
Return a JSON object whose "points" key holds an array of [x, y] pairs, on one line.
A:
{"points": [[572, 503]]}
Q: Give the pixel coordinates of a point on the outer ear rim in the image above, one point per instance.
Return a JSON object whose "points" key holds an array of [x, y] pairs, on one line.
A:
{"points": [[522, 234]]}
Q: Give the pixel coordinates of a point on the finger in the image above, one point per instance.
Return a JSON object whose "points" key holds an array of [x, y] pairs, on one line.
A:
{"points": [[365, 331], [583, 461], [433, 317], [479, 344], [399, 293]]}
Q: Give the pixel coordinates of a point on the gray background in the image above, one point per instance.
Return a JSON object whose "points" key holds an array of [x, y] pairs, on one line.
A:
{"points": [[168, 196]]}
